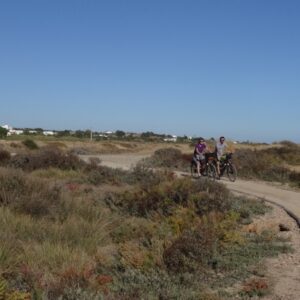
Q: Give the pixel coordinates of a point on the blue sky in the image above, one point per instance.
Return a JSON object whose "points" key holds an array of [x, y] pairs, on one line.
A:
{"points": [[198, 67]]}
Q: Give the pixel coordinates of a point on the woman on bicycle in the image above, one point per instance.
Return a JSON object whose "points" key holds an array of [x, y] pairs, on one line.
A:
{"points": [[199, 157]]}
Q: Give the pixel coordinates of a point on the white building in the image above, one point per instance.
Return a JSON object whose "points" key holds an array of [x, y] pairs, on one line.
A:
{"points": [[48, 132], [12, 131], [171, 139], [15, 131]]}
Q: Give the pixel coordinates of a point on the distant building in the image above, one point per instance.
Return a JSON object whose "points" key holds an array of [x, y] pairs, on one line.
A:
{"points": [[48, 133], [12, 131], [15, 131], [171, 139]]}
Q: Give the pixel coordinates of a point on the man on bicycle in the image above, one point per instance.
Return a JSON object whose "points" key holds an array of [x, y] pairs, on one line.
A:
{"points": [[220, 149], [199, 157]]}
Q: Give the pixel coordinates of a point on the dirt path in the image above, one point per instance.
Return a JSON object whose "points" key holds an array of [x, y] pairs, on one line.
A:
{"points": [[289, 200], [282, 272], [123, 161]]}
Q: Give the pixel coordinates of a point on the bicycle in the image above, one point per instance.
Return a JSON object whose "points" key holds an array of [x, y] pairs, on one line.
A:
{"points": [[207, 169], [226, 166]]}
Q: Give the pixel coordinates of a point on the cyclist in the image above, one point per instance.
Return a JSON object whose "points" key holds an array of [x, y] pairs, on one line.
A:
{"points": [[220, 149], [199, 157]]}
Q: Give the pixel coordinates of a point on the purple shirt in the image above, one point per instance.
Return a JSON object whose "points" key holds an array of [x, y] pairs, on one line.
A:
{"points": [[200, 148]]}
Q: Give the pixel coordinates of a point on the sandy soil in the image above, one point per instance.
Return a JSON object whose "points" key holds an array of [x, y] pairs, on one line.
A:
{"points": [[283, 272]]}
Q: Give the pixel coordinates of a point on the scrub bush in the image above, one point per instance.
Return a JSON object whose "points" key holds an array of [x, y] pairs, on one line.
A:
{"points": [[46, 158], [4, 157], [30, 144]]}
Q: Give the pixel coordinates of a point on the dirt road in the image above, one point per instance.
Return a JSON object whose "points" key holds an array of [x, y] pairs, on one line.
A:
{"points": [[288, 199], [123, 161]]}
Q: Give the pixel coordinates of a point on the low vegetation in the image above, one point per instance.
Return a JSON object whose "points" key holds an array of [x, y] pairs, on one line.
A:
{"points": [[270, 164], [169, 158], [30, 144], [76, 230]]}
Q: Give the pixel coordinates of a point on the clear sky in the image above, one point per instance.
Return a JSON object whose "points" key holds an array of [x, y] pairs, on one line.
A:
{"points": [[198, 67]]}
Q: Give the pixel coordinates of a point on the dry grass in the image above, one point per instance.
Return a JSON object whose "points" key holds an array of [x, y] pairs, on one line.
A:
{"points": [[81, 231], [270, 164]]}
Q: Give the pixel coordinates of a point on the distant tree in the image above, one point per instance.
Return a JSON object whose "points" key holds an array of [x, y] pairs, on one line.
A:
{"points": [[87, 133], [182, 138], [79, 133], [83, 134], [26, 131], [3, 132], [63, 133], [120, 133], [147, 134], [39, 130]]}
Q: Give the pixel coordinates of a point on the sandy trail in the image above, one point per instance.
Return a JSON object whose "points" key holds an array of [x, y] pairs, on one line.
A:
{"points": [[288, 199], [123, 161]]}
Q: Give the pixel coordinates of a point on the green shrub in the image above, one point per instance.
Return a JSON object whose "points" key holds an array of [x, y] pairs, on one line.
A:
{"points": [[28, 196], [3, 132], [102, 174], [30, 144], [169, 158], [248, 208], [146, 177], [193, 249], [46, 158], [163, 198], [4, 157]]}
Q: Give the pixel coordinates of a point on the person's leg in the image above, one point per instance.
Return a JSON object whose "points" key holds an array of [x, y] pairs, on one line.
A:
{"points": [[218, 167], [202, 166], [198, 168]]}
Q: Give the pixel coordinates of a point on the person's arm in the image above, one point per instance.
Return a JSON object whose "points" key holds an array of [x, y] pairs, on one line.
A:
{"points": [[206, 150]]}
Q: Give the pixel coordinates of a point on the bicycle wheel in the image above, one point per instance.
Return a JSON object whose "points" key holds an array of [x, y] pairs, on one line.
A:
{"points": [[194, 171], [231, 172], [211, 171]]}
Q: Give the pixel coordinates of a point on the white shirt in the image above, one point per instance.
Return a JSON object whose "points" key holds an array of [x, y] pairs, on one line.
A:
{"points": [[220, 149]]}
